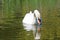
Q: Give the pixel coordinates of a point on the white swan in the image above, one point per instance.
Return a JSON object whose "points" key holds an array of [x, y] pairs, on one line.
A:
{"points": [[30, 18]]}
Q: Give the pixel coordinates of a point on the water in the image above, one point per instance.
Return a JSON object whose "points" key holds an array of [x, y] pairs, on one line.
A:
{"points": [[13, 29], [30, 27]]}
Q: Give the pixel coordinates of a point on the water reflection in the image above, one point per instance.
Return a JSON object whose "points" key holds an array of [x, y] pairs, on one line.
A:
{"points": [[28, 27], [31, 27]]}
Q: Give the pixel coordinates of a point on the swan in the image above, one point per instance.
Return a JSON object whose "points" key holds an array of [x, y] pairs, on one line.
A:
{"points": [[30, 18]]}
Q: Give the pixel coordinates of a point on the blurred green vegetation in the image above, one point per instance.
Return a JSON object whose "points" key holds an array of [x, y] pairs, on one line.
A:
{"points": [[13, 11]]}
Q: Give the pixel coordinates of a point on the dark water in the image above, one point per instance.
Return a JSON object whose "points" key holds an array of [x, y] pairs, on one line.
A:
{"points": [[13, 30]]}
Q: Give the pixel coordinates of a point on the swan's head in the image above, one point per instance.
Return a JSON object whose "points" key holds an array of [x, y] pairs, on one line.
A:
{"points": [[37, 14]]}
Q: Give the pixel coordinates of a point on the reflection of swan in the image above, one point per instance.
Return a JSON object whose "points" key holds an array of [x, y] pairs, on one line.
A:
{"points": [[28, 27]]}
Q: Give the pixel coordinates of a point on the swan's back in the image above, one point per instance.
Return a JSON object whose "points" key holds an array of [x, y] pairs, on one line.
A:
{"points": [[29, 18]]}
